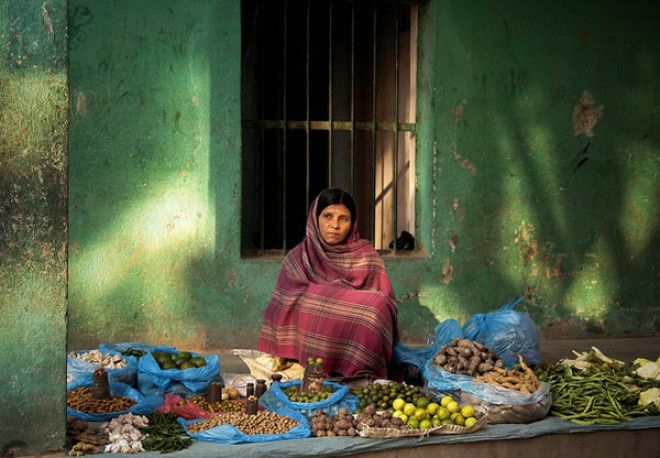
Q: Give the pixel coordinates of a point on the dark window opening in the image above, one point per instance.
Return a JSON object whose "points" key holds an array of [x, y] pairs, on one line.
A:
{"points": [[327, 99]]}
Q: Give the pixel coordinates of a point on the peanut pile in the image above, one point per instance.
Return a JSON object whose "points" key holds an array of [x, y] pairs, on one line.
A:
{"points": [[81, 399], [261, 423]]}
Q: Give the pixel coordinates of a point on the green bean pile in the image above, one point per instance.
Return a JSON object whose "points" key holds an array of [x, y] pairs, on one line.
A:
{"points": [[601, 395], [164, 434]]}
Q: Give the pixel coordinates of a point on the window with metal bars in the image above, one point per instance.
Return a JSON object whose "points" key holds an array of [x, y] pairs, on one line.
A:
{"points": [[328, 98]]}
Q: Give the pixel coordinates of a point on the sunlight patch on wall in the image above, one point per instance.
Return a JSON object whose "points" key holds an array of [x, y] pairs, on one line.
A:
{"points": [[639, 215], [149, 234], [442, 302], [547, 173], [591, 293]]}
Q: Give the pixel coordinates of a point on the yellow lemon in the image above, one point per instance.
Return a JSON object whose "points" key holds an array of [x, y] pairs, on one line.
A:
{"points": [[470, 421], [425, 424], [467, 411], [446, 400], [443, 413], [453, 407], [458, 419], [409, 408], [420, 414], [413, 422], [398, 404], [432, 408]]}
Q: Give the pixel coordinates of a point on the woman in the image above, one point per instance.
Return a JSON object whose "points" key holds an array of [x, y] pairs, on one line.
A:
{"points": [[333, 298]]}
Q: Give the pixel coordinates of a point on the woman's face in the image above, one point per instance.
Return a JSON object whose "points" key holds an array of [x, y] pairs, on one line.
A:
{"points": [[334, 223]]}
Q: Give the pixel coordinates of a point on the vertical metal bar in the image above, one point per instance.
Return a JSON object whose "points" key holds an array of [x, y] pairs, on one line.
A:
{"points": [[373, 128], [284, 132], [395, 170], [330, 96], [262, 136], [307, 166], [352, 97]]}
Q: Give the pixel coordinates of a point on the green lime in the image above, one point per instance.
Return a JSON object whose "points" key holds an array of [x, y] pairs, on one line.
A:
{"points": [[185, 355], [198, 361], [187, 365]]}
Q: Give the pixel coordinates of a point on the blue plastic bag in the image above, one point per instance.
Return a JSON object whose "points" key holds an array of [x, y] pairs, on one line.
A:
{"points": [[507, 332], [275, 398], [82, 370], [444, 332], [153, 380], [143, 406], [125, 346], [228, 434]]}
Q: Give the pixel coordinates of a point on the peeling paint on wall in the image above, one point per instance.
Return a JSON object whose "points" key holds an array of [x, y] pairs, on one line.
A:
{"points": [[586, 115], [465, 163], [447, 273]]}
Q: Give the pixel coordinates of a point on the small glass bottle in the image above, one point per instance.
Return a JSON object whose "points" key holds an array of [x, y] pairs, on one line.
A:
{"points": [[260, 388], [249, 389], [251, 407]]}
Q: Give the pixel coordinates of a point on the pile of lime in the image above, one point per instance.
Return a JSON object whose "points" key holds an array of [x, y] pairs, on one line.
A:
{"points": [[180, 360], [381, 395], [296, 395], [426, 414]]}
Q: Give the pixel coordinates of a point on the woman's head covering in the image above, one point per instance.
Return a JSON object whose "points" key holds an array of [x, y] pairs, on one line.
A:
{"points": [[352, 261]]}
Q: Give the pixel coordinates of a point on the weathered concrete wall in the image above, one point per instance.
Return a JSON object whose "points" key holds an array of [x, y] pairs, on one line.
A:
{"points": [[33, 163], [537, 171]]}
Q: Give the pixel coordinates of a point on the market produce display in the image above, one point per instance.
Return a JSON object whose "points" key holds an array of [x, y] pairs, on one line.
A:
{"points": [[523, 379], [599, 390], [295, 394], [164, 434], [260, 423], [213, 407], [124, 434], [104, 360], [136, 352], [82, 400], [180, 360], [340, 424], [86, 440], [381, 395], [468, 357]]}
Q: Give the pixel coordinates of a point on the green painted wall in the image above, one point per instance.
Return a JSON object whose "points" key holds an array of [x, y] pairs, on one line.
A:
{"points": [[33, 163], [507, 203], [537, 174]]}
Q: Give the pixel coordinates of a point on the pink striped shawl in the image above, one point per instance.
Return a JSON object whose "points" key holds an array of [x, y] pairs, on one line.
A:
{"points": [[332, 302]]}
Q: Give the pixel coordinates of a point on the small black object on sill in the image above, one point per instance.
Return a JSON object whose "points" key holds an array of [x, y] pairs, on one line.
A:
{"points": [[405, 242]]}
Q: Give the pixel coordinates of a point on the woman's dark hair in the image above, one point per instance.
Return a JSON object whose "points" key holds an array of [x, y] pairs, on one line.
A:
{"points": [[333, 196]]}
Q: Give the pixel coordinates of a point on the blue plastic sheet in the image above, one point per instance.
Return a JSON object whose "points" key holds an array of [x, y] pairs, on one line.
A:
{"points": [[153, 380], [275, 398], [507, 332], [228, 434], [144, 405], [82, 370]]}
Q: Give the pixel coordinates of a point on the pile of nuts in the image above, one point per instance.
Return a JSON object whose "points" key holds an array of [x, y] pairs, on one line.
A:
{"points": [[262, 422], [370, 418], [340, 424], [213, 407], [81, 399], [106, 361]]}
